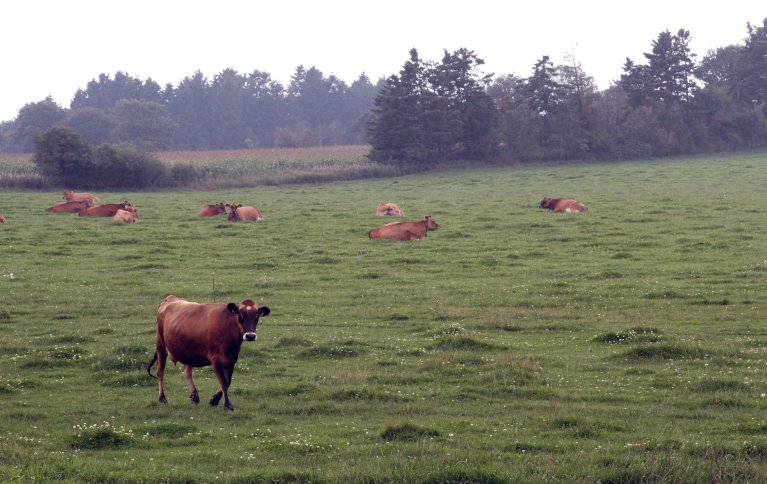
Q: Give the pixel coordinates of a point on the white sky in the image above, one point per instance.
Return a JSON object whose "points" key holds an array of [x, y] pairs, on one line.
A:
{"points": [[54, 47]]}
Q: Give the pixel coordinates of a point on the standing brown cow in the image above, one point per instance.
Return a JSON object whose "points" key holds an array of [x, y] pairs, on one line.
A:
{"points": [[71, 196], [108, 209], [203, 334], [389, 209], [213, 209], [239, 212], [405, 230], [561, 205], [69, 207]]}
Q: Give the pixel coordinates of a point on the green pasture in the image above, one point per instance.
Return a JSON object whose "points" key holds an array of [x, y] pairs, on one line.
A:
{"points": [[626, 344]]}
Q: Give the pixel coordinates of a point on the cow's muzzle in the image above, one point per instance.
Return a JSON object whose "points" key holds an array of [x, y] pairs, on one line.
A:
{"points": [[249, 336]]}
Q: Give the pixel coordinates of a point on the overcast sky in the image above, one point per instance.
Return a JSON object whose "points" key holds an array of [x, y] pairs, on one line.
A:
{"points": [[54, 47]]}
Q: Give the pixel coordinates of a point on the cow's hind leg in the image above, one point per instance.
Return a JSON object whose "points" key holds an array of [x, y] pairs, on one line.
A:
{"points": [[224, 376], [194, 396], [162, 357]]}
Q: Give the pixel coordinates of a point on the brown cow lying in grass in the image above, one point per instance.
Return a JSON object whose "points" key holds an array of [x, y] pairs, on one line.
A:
{"points": [[405, 230], [108, 209], [71, 196], [389, 209], [240, 212], [203, 334], [69, 207], [126, 216], [213, 209], [2, 218], [562, 205]]}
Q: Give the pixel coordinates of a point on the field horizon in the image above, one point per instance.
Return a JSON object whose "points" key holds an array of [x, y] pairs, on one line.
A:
{"points": [[624, 344]]}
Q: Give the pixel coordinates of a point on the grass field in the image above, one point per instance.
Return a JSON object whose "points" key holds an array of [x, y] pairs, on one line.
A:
{"points": [[626, 344]]}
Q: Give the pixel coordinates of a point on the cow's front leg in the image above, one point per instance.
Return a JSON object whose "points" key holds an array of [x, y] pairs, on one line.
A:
{"points": [[223, 375], [194, 396]]}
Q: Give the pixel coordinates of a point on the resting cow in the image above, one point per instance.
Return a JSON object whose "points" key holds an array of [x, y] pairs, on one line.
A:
{"points": [[389, 209], [69, 207], [405, 230], [203, 334], [2, 218], [126, 216], [71, 196], [239, 212], [213, 209], [108, 209], [562, 205]]}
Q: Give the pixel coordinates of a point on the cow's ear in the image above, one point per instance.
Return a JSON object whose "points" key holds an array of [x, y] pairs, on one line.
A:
{"points": [[232, 308], [264, 311]]}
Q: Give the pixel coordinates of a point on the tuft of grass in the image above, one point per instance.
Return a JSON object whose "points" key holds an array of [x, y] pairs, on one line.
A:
{"points": [[407, 432], [364, 394], [171, 430], [632, 335], [463, 476], [464, 343], [347, 349], [667, 352], [711, 385], [99, 439]]}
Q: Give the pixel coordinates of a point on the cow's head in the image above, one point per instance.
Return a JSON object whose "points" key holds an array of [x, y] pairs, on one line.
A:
{"points": [[545, 203], [248, 313], [219, 208], [67, 195], [431, 224], [233, 211]]}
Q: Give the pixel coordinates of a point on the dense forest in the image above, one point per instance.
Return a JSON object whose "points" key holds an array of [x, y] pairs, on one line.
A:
{"points": [[665, 104]]}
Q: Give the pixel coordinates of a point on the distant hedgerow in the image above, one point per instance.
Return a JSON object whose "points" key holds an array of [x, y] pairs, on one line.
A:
{"points": [[64, 157]]}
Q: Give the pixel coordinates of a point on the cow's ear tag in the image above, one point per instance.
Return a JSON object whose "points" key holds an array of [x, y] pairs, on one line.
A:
{"points": [[232, 308]]}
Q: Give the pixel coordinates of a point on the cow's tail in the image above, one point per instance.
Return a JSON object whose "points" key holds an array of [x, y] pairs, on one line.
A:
{"points": [[150, 365]]}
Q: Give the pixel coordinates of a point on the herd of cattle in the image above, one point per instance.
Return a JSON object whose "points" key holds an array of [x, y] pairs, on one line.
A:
{"points": [[211, 334], [86, 205]]}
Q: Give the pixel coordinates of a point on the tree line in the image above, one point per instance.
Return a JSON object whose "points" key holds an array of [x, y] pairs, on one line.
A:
{"points": [[229, 111], [668, 103]]}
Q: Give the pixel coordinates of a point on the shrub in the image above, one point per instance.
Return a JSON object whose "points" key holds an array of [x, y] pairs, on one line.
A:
{"points": [[63, 156], [124, 167]]}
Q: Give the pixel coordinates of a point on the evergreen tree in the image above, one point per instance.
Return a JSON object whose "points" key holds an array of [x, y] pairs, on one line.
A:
{"points": [[669, 75], [266, 108], [105, 92], [190, 107], [469, 117], [93, 124], [435, 112], [143, 124], [397, 131], [750, 87], [228, 110]]}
